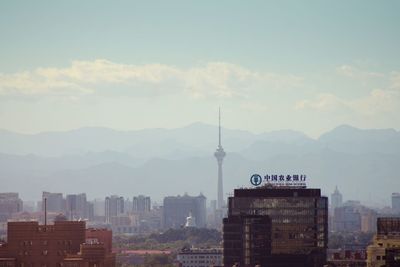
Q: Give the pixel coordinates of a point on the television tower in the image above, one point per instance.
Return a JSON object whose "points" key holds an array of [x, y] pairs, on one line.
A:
{"points": [[220, 154]]}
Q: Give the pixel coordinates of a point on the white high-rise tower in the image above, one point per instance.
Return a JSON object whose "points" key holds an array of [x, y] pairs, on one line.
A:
{"points": [[220, 154]]}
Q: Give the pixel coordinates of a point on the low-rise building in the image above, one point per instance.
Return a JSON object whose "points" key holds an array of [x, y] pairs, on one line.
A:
{"points": [[386, 238], [60, 244], [347, 258], [197, 257]]}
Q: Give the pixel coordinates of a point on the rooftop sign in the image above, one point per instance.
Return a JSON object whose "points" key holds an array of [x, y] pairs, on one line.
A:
{"points": [[289, 180]]}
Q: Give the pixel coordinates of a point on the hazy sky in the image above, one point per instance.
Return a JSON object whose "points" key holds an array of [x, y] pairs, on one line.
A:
{"points": [[302, 65]]}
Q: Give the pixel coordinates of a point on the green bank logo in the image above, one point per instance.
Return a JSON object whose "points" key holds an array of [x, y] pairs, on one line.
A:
{"points": [[255, 179]]}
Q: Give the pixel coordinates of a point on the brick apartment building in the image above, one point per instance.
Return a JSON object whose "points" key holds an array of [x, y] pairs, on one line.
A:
{"points": [[62, 244]]}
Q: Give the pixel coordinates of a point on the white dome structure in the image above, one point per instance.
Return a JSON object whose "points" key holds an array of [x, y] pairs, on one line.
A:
{"points": [[190, 221]]}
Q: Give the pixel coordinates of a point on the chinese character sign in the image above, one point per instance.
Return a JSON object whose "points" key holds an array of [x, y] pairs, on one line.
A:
{"points": [[280, 179]]}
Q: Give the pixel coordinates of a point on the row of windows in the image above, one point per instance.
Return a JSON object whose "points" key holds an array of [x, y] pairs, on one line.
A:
{"points": [[200, 256], [44, 242], [380, 258], [44, 253], [24, 264], [201, 261]]}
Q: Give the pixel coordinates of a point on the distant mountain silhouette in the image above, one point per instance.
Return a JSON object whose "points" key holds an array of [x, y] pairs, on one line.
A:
{"points": [[352, 140], [160, 162]]}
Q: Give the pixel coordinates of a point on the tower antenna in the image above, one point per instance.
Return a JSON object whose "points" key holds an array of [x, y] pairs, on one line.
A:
{"points": [[219, 126]]}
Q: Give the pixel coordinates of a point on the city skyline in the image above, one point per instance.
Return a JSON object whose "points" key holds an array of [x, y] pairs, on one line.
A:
{"points": [[199, 133]]}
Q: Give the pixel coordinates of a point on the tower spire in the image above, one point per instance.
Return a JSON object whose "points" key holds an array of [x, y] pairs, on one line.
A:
{"points": [[219, 127]]}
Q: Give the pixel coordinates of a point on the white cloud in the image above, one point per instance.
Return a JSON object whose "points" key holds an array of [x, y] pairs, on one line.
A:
{"points": [[376, 102], [215, 79], [323, 102], [357, 73], [395, 80]]}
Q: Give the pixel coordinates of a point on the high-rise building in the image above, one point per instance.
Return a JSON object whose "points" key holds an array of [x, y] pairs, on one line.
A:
{"points": [[9, 203], [246, 240], [220, 155], [141, 204], [114, 206], [76, 206], [99, 207], [396, 203], [128, 206], [177, 209], [346, 219], [55, 202], [368, 220], [299, 221], [336, 199]]}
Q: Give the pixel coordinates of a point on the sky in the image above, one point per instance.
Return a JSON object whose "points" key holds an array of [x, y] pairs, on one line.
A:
{"points": [[303, 65]]}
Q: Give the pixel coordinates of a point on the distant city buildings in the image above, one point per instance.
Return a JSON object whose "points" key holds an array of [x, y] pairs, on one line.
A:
{"points": [[396, 203], [336, 199], [114, 206], [55, 202], [346, 219], [368, 220], [128, 206], [354, 217], [141, 204], [77, 206], [99, 207], [177, 209], [9, 203], [152, 220]]}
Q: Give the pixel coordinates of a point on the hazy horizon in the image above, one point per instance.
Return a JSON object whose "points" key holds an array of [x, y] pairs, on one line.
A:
{"points": [[195, 123]]}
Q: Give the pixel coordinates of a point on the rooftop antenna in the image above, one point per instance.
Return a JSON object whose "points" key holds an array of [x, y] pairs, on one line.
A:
{"points": [[219, 127]]}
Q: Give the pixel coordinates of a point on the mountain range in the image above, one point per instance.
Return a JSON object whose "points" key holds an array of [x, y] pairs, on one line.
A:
{"points": [[363, 163]]}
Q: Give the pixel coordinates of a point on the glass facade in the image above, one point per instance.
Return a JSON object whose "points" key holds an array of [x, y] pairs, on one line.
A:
{"points": [[247, 240], [299, 217]]}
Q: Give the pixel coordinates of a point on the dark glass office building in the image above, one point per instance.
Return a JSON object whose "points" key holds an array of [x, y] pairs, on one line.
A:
{"points": [[299, 222], [247, 240]]}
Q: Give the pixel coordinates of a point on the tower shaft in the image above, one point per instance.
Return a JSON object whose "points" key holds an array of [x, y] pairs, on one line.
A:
{"points": [[220, 201]]}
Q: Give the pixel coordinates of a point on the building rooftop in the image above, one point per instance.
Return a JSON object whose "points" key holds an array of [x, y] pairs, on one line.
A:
{"points": [[267, 191]]}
